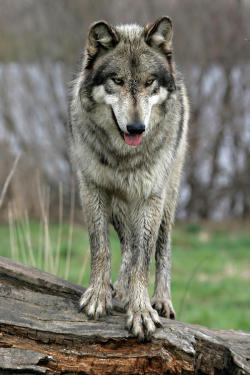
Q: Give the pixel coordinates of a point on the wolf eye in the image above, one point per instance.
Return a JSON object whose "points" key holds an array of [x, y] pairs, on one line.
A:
{"points": [[149, 82], [118, 81]]}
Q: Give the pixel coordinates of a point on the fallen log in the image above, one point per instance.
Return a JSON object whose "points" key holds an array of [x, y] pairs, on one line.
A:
{"points": [[42, 332]]}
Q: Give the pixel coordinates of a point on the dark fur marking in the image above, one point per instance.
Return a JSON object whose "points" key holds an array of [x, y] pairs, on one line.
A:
{"points": [[90, 61], [103, 138], [163, 109], [133, 90], [101, 134], [180, 126], [134, 61], [166, 80], [114, 190], [86, 89], [70, 126], [101, 74], [116, 123], [155, 90], [104, 161], [117, 226], [164, 77], [101, 156], [136, 166]]}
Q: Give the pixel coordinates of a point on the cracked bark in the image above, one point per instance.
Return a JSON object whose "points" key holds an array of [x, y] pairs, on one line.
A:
{"points": [[42, 332]]}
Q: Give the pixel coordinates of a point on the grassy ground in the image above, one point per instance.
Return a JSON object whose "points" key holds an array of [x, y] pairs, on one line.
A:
{"points": [[211, 268]]}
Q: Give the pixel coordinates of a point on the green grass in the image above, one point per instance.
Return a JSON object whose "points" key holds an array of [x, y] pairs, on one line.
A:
{"points": [[210, 272]]}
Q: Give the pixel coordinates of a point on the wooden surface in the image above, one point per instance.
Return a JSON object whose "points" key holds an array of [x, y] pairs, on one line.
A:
{"points": [[42, 332]]}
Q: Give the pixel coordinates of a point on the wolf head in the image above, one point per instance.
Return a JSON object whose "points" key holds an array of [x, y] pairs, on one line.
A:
{"points": [[129, 69]]}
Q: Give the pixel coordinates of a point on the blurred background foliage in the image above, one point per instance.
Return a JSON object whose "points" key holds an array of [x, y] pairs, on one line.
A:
{"points": [[40, 45]]}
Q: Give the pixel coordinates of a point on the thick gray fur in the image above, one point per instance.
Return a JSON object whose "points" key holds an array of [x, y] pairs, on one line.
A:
{"points": [[127, 75]]}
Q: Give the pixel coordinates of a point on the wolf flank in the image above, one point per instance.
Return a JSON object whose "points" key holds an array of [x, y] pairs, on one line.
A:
{"points": [[127, 133]]}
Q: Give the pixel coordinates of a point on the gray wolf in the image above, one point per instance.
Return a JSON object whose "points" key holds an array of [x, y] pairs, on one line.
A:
{"points": [[128, 128]]}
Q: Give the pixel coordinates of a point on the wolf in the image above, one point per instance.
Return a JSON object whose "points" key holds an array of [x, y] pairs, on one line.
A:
{"points": [[128, 120]]}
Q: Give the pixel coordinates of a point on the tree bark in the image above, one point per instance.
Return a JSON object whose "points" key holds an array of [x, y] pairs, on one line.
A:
{"points": [[42, 332]]}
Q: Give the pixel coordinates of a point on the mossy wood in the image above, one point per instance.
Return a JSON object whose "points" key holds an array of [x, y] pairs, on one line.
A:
{"points": [[42, 332]]}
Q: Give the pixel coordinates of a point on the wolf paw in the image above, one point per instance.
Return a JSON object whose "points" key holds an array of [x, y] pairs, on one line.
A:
{"points": [[163, 306], [96, 301], [142, 323]]}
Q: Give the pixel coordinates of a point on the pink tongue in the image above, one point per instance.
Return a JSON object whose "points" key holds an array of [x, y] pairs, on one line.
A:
{"points": [[132, 139]]}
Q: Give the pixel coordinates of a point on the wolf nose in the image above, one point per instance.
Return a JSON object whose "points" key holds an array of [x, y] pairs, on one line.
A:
{"points": [[136, 128]]}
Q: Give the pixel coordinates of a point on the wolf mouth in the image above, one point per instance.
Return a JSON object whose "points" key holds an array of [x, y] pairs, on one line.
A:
{"points": [[130, 139]]}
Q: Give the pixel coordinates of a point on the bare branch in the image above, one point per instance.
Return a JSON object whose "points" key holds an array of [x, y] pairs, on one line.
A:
{"points": [[8, 179]]}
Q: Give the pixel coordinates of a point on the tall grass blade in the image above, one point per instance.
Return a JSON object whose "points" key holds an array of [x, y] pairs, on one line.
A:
{"points": [[8, 180], [13, 246], [59, 234], [71, 225], [28, 239], [84, 265]]}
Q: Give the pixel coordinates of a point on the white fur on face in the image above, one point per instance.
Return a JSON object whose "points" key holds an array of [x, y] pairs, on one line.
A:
{"points": [[147, 103], [120, 106], [123, 107]]}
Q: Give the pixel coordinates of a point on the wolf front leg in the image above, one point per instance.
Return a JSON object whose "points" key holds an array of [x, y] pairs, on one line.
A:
{"points": [[122, 227], [142, 318], [97, 299], [161, 299]]}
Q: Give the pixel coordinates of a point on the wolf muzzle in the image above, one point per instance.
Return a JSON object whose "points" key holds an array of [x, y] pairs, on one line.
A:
{"points": [[134, 135]]}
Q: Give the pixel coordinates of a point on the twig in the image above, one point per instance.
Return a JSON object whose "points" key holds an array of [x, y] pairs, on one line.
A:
{"points": [[13, 246], [8, 179], [71, 226], [48, 258], [20, 238], [19, 233], [40, 244], [59, 235], [28, 239]]}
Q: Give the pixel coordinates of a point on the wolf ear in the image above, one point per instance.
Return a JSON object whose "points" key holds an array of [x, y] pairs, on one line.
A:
{"points": [[159, 32], [159, 35], [101, 37]]}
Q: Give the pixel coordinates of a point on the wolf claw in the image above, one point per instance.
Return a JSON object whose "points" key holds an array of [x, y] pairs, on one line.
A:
{"points": [[96, 302], [142, 324], [164, 307]]}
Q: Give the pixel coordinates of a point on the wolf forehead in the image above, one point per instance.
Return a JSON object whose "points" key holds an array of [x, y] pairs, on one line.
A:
{"points": [[130, 34], [131, 50], [130, 46]]}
